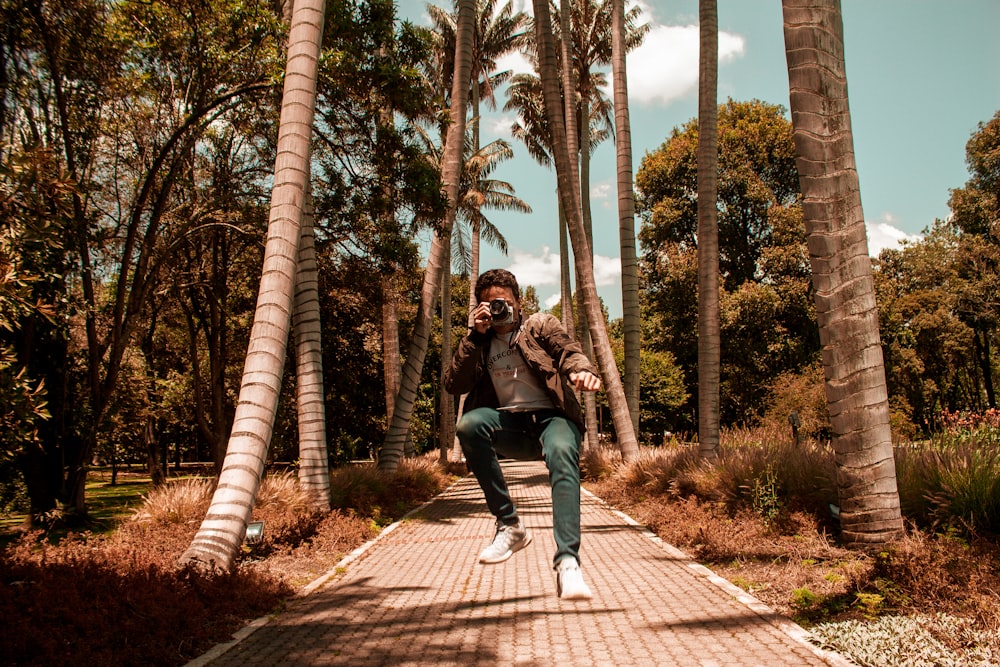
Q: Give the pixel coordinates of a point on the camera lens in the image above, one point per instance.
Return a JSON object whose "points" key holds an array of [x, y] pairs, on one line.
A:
{"points": [[499, 310]]}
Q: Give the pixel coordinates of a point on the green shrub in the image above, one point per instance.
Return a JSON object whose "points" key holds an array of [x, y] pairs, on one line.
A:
{"points": [[952, 482], [803, 598]]}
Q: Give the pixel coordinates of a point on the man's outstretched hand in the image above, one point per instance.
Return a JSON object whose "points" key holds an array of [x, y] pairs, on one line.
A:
{"points": [[585, 381]]}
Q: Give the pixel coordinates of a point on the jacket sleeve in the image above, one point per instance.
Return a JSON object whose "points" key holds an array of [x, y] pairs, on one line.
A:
{"points": [[566, 353], [466, 368]]}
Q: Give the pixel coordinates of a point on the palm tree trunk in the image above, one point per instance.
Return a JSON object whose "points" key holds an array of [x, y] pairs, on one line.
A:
{"points": [[446, 436], [565, 286], [626, 213], [390, 344], [580, 174], [589, 398], [314, 463], [451, 171], [569, 192], [842, 275], [709, 343], [221, 532], [475, 241]]}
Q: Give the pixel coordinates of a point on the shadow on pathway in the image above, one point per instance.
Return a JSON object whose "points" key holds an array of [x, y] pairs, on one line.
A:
{"points": [[418, 596]]}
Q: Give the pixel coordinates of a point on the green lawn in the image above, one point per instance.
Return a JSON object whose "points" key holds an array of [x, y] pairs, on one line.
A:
{"points": [[107, 504]]}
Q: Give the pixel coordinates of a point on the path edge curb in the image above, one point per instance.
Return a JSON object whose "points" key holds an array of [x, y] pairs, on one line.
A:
{"points": [[766, 613], [317, 583]]}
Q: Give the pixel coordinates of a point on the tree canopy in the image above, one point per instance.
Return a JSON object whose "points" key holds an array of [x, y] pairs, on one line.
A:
{"points": [[768, 322]]}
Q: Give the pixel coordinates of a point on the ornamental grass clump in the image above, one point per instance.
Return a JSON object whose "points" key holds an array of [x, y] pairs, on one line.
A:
{"points": [[952, 482], [599, 462], [180, 502], [369, 491], [755, 465]]}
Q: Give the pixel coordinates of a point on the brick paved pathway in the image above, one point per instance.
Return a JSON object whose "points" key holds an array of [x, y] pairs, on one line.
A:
{"points": [[418, 596]]}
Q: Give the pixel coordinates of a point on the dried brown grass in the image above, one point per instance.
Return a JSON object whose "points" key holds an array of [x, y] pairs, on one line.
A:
{"points": [[122, 600], [780, 544]]}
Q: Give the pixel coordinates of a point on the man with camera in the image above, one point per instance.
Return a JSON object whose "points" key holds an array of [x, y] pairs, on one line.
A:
{"points": [[519, 375]]}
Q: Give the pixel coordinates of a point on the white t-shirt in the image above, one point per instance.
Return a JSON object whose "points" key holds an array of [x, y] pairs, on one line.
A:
{"points": [[515, 384]]}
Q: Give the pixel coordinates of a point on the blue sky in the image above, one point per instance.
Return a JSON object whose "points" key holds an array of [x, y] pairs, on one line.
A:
{"points": [[921, 75]]}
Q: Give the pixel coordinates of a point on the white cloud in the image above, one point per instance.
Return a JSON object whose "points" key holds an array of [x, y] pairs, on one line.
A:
{"points": [[607, 270], [543, 269], [665, 67], [600, 191], [885, 233], [536, 270], [500, 126], [516, 62]]}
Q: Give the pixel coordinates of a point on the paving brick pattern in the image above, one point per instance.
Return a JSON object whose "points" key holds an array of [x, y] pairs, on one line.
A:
{"points": [[418, 596]]}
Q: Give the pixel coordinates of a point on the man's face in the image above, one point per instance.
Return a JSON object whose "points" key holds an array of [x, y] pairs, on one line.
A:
{"points": [[506, 293]]}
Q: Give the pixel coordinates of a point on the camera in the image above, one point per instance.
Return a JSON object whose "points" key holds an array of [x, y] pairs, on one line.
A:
{"points": [[501, 312]]}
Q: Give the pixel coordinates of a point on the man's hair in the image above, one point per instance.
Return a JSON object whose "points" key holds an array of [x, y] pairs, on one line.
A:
{"points": [[497, 278]]}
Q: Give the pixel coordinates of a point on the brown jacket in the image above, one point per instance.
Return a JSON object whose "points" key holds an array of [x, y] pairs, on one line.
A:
{"points": [[547, 349]]}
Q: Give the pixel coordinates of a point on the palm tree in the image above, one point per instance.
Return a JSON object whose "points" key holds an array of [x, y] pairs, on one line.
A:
{"points": [[314, 464], [588, 25], [626, 212], [221, 532], [576, 164], [709, 342], [569, 194], [842, 275], [498, 32], [525, 96], [585, 36], [477, 192], [395, 439]]}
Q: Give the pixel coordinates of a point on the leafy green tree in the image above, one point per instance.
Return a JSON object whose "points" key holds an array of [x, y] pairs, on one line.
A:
{"points": [[664, 394], [35, 384], [767, 320], [59, 65], [976, 212], [929, 350], [756, 173], [121, 95]]}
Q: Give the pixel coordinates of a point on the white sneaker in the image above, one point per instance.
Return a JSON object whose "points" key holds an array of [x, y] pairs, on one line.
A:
{"points": [[507, 540], [569, 581]]}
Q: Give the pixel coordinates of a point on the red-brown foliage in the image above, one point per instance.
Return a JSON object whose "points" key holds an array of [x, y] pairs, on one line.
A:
{"points": [[96, 601], [122, 600]]}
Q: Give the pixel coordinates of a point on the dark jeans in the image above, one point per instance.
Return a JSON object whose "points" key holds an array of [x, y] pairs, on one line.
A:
{"points": [[542, 434]]}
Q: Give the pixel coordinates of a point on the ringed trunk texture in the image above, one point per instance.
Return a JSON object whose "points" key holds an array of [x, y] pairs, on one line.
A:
{"points": [[570, 192], [314, 463], [451, 171], [223, 528], [709, 338], [842, 275], [626, 214]]}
